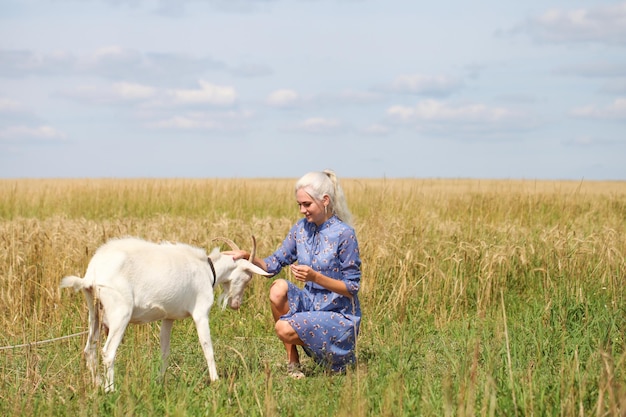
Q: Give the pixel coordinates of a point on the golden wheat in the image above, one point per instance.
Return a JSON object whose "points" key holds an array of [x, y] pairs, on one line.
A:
{"points": [[436, 253]]}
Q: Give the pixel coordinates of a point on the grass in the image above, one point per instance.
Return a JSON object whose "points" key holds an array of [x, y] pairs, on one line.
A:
{"points": [[480, 298]]}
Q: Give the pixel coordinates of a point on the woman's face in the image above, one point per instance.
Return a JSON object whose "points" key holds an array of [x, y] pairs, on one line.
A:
{"points": [[312, 209]]}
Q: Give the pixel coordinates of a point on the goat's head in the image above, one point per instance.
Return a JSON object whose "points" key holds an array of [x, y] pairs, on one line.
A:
{"points": [[238, 278]]}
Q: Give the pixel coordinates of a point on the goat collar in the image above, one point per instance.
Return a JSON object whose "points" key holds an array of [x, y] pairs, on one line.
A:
{"points": [[212, 270]]}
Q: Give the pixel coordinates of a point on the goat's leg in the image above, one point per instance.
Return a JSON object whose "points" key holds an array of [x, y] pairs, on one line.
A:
{"points": [[92, 338], [108, 355], [166, 332], [204, 335], [117, 319]]}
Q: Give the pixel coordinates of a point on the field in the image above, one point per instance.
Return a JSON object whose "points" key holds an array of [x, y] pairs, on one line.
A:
{"points": [[480, 298]]}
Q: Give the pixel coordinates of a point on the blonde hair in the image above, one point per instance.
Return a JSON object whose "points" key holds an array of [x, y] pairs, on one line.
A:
{"points": [[320, 183]]}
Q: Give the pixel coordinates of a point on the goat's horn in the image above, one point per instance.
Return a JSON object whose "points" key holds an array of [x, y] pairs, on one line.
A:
{"points": [[229, 242], [253, 252]]}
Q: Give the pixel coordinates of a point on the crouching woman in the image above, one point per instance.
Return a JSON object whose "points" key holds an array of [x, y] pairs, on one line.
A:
{"points": [[322, 251]]}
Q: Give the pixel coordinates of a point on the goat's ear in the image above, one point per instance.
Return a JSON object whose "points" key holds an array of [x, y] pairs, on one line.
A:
{"points": [[215, 251]]}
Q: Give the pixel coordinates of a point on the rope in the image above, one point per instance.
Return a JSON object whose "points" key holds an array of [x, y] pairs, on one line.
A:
{"points": [[41, 342]]}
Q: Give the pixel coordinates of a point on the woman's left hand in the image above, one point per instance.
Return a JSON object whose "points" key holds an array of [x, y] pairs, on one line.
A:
{"points": [[303, 273]]}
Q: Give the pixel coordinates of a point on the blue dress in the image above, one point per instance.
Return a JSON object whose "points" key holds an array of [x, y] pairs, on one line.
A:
{"points": [[327, 322]]}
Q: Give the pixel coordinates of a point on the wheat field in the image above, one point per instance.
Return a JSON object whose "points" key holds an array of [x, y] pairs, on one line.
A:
{"points": [[480, 298]]}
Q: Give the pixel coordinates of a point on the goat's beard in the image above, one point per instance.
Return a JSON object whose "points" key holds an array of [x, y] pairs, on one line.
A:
{"points": [[226, 300], [223, 300]]}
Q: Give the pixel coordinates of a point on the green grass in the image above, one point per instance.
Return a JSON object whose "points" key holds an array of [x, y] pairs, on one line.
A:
{"points": [[480, 298]]}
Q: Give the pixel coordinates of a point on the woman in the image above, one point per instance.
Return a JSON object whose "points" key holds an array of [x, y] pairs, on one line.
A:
{"points": [[322, 250]]}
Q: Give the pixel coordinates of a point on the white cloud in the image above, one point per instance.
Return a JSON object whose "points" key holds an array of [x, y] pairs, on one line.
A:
{"points": [[41, 133], [356, 97], [9, 105], [588, 141], [595, 69], [186, 123], [319, 125], [287, 98], [21, 63], [121, 63], [283, 98], [112, 62], [130, 91], [115, 93], [207, 94], [118, 63], [376, 130], [248, 70], [614, 111], [440, 117], [616, 87], [435, 85], [15, 113], [150, 96], [604, 24], [223, 121], [433, 110], [113, 52]]}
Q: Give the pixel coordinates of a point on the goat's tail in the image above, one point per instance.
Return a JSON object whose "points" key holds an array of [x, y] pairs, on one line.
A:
{"points": [[77, 283]]}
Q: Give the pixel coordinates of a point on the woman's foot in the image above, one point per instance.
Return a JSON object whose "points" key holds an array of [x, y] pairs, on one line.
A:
{"points": [[293, 370]]}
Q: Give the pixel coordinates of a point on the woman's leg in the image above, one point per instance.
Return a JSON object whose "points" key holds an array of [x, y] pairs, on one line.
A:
{"points": [[284, 331]]}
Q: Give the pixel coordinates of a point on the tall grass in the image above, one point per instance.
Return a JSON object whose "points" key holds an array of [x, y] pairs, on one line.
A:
{"points": [[480, 298]]}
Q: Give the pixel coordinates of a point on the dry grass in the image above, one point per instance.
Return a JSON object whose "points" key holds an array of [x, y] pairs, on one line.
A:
{"points": [[480, 298]]}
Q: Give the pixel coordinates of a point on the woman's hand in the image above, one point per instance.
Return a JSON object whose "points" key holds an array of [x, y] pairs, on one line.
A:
{"points": [[237, 254], [303, 273], [242, 254]]}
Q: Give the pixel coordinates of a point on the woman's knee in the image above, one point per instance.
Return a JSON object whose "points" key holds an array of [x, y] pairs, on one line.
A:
{"points": [[285, 332], [278, 292]]}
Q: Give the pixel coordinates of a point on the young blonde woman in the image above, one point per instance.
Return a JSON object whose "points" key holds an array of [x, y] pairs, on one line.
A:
{"points": [[322, 252]]}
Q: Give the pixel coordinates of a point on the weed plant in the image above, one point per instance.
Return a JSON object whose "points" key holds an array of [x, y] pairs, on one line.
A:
{"points": [[480, 298]]}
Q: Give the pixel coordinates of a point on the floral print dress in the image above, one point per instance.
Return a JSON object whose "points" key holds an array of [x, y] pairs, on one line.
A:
{"points": [[327, 322]]}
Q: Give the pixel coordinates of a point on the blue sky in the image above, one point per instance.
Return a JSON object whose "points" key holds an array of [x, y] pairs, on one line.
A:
{"points": [[276, 88]]}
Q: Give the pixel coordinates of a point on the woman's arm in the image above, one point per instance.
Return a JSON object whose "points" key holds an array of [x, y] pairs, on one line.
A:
{"points": [[305, 273], [242, 254]]}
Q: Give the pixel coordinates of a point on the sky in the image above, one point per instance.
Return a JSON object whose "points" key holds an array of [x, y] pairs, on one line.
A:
{"points": [[487, 89]]}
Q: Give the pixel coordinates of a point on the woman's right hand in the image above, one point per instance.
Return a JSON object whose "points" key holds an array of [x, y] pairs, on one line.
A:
{"points": [[237, 254]]}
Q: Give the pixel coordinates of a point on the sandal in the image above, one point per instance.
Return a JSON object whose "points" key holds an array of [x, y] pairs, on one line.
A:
{"points": [[293, 369]]}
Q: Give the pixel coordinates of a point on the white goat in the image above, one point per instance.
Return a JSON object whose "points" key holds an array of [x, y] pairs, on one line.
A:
{"points": [[135, 281]]}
